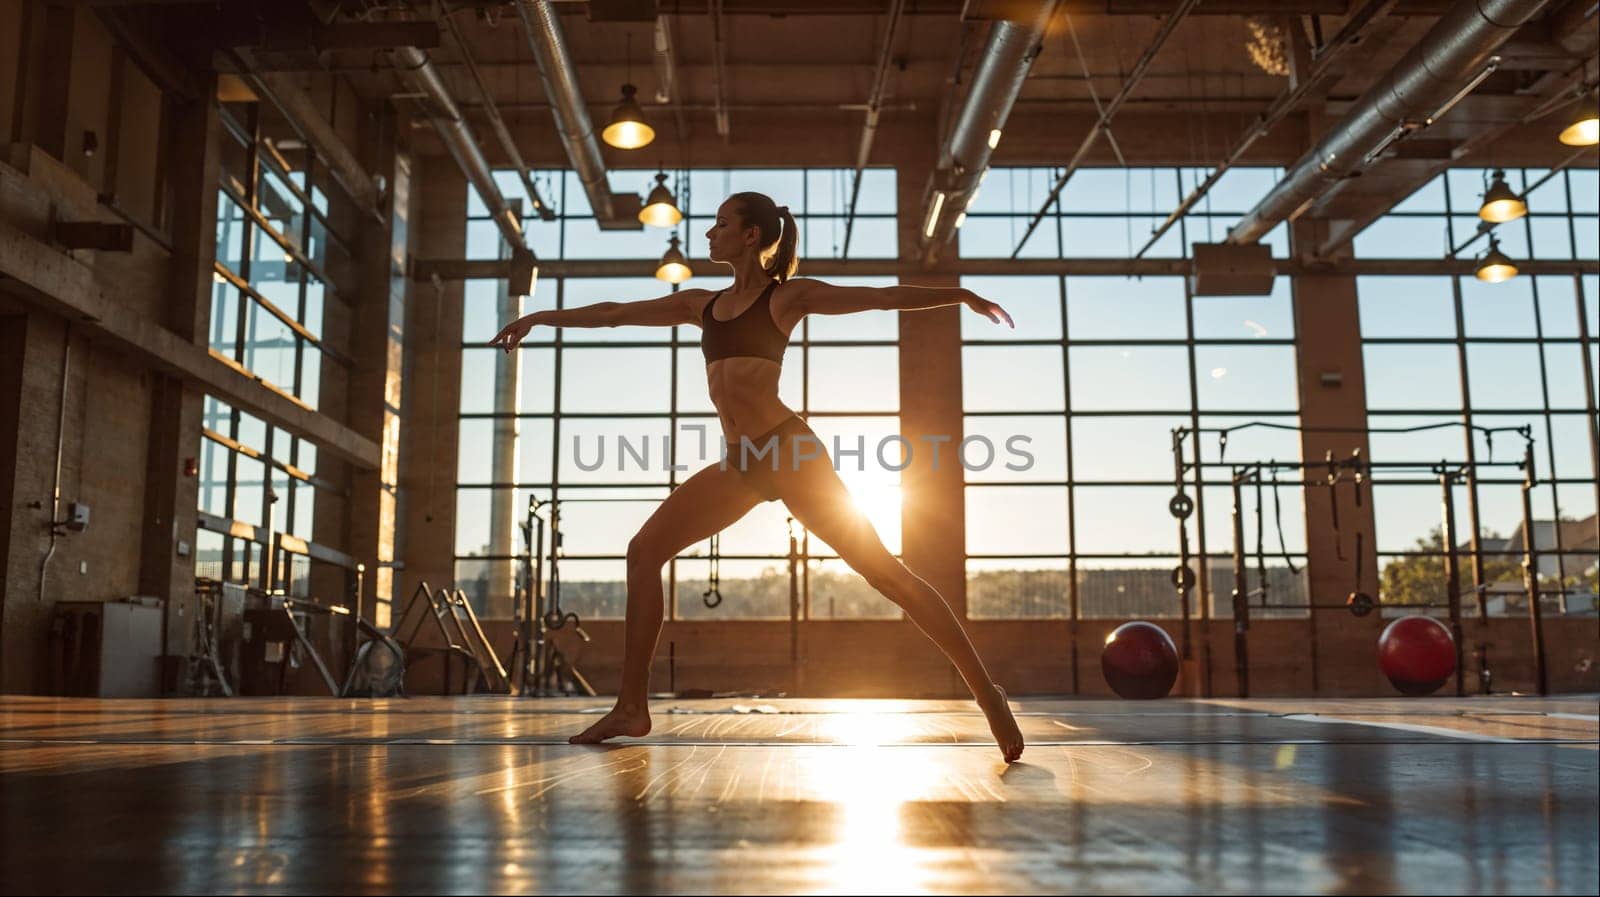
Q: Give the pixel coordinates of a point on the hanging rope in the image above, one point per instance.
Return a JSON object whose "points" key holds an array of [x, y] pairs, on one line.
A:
{"points": [[1277, 512], [713, 595]]}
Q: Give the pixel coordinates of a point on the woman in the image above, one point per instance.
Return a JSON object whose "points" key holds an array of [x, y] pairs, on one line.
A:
{"points": [[746, 328]]}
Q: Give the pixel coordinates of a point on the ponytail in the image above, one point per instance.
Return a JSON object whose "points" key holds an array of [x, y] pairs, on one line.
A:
{"points": [[779, 234], [785, 261]]}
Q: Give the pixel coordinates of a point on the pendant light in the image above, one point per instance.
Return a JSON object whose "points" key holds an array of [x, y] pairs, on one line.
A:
{"points": [[626, 128], [660, 208], [674, 268], [1500, 203], [1495, 266], [1585, 127]]}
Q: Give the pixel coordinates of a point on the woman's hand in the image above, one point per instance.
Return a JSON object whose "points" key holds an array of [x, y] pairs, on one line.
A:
{"points": [[513, 333], [988, 309]]}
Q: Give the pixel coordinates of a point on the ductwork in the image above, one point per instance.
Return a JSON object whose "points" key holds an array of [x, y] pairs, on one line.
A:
{"points": [[667, 91], [1442, 68], [542, 24], [666, 67], [1008, 54], [421, 78], [497, 122]]}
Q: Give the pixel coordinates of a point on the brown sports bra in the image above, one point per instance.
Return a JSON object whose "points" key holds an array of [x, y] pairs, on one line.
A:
{"points": [[752, 334]]}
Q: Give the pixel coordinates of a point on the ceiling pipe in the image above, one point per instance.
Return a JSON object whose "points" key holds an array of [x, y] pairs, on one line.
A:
{"points": [[1323, 65], [542, 26], [869, 130], [718, 67], [666, 67], [422, 79], [497, 122], [667, 72], [1008, 54], [1341, 233], [1450, 60]]}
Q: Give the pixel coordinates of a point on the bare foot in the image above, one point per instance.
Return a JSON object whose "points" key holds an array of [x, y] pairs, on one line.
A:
{"points": [[631, 721], [1003, 725]]}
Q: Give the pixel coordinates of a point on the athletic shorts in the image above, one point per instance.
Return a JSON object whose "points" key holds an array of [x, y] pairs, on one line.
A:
{"points": [[780, 453]]}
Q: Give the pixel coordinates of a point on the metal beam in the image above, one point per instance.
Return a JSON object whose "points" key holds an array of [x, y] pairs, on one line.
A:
{"points": [[1450, 60], [491, 269], [313, 127], [374, 35], [870, 128], [1103, 123], [1348, 36], [940, 7]]}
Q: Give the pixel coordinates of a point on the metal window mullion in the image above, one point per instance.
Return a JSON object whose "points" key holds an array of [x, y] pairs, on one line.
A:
{"points": [[1203, 578], [280, 167], [1469, 437], [672, 464], [288, 320], [1074, 597], [290, 470], [1550, 442], [271, 230], [269, 550], [555, 406], [300, 312], [247, 237], [1593, 415]]}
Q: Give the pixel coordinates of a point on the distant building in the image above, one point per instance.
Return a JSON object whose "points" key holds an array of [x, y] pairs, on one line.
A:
{"points": [[1576, 562]]}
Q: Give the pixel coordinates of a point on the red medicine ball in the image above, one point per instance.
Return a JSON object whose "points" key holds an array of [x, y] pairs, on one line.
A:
{"points": [[1417, 654], [1140, 661]]}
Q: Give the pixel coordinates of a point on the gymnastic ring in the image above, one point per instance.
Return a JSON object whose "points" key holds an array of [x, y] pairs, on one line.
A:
{"points": [[1183, 577], [1181, 506]]}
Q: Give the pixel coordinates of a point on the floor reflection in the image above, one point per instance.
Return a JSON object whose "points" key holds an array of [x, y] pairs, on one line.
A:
{"points": [[862, 797]]}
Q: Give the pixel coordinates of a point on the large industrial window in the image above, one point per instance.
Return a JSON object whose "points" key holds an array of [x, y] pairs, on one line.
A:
{"points": [[570, 415], [1111, 365], [270, 283], [1479, 357]]}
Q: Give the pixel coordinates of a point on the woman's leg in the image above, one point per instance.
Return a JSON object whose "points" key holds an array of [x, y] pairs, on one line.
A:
{"points": [[706, 503], [822, 503]]}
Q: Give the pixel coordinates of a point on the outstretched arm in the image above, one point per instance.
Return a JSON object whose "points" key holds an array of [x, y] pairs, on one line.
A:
{"points": [[671, 309], [820, 298]]}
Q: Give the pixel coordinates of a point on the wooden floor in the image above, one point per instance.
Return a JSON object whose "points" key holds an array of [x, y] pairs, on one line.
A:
{"points": [[301, 795]]}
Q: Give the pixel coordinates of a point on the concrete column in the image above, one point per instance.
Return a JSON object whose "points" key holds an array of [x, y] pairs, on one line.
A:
{"points": [[166, 566], [13, 343], [933, 514], [377, 341], [433, 363], [503, 506], [1333, 395]]}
